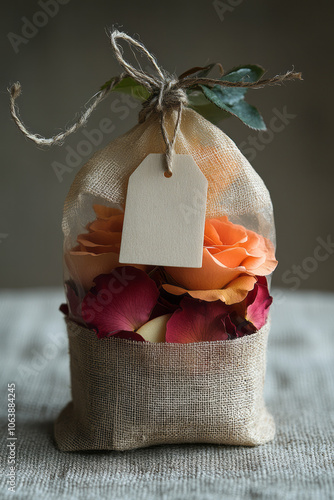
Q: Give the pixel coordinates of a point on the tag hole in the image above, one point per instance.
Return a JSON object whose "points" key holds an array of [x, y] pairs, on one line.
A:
{"points": [[168, 174]]}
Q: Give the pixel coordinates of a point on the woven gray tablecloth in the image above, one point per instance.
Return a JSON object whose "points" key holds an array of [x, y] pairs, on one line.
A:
{"points": [[299, 463]]}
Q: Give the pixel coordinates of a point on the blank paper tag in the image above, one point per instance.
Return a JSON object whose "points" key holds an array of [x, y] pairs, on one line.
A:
{"points": [[165, 216]]}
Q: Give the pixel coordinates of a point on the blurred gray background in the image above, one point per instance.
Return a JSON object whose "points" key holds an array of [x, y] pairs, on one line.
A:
{"points": [[62, 62]]}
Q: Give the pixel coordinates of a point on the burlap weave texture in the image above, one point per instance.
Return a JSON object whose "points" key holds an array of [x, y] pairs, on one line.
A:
{"points": [[128, 394], [234, 188]]}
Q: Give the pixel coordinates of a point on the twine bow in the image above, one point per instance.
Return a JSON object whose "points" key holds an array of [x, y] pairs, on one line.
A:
{"points": [[166, 92]]}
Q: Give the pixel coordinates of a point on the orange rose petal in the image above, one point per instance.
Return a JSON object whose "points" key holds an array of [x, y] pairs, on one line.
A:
{"points": [[229, 234], [252, 263], [99, 238], [174, 290], [259, 245], [98, 249], [238, 289], [233, 293], [254, 241], [216, 249], [230, 251], [84, 266], [238, 256], [270, 262], [232, 257], [112, 224], [211, 236], [212, 274], [270, 249], [103, 212], [260, 253], [250, 253], [105, 242], [266, 268]]}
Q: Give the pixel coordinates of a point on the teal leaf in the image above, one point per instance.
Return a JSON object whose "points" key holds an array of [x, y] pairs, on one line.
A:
{"points": [[241, 109], [231, 99], [249, 115], [199, 103], [232, 95], [229, 95], [248, 73]]}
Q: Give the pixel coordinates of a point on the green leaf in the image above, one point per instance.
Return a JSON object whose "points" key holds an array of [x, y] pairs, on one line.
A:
{"points": [[107, 84], [129, 86], [241, 109]]}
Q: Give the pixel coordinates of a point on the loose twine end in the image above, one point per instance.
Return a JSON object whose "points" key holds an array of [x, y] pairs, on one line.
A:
{"points": [[15, 90], [166, 92]]}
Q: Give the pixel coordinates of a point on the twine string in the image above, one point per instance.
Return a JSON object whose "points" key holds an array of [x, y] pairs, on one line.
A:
{"points": [[166, 92], [15, 92]]}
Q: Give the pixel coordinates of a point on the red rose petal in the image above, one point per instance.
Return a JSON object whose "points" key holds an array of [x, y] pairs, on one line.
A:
{"points": [[64, 309], [258, 301], [197, 321], [128, 335], [121, 301]]}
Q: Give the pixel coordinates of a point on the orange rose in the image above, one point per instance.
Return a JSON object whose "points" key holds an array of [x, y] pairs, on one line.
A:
{"points": [[97, 251], [232, 258]]}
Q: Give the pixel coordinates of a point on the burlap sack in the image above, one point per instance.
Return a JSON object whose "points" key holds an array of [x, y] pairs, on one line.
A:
{"points": [[128, 394]]}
